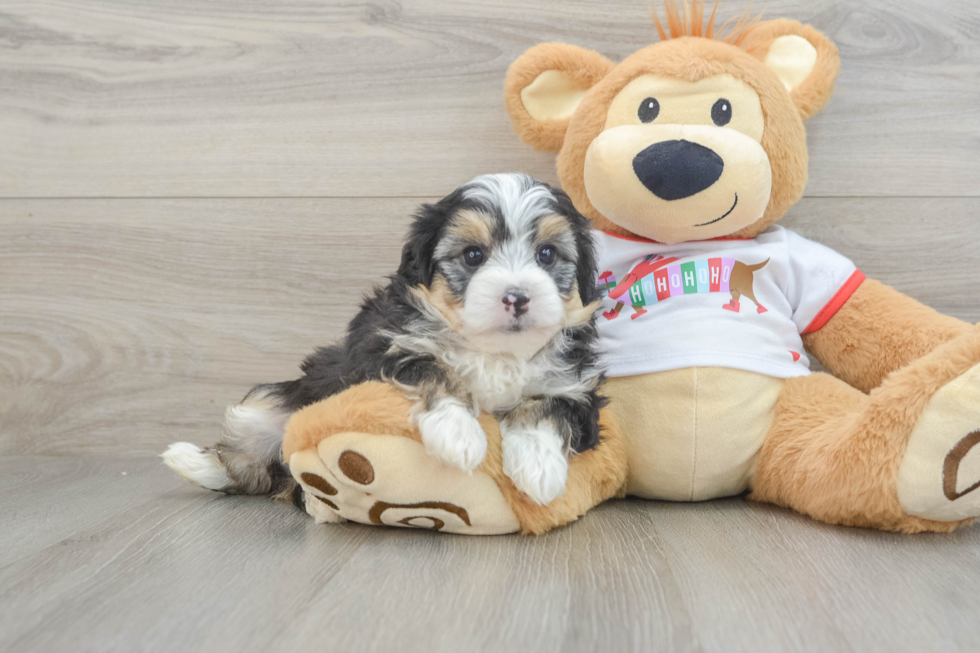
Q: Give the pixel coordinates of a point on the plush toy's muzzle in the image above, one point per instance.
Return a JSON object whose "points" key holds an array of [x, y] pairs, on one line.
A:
{"points": [[673, 183]]}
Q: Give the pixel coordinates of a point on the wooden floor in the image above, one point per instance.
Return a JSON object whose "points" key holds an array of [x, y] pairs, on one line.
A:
{"points": [[104, 554], [194, 194]]}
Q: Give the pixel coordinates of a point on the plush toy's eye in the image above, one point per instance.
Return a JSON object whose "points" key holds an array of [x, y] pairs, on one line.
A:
{"points": [[473, 256], [649, 110], [546, 255], [721, 113]]}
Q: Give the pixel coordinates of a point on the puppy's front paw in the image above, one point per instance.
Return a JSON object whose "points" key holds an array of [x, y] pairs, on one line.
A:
{"points": [[534, 459], [451, 434]]}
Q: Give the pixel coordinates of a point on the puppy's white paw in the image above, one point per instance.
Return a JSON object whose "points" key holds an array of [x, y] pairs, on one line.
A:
{"points": [[451, 434], [535, 460], [196, 466]]}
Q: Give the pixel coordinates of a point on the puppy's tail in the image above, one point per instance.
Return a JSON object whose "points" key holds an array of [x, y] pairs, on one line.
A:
{"points": [[248, 457]]}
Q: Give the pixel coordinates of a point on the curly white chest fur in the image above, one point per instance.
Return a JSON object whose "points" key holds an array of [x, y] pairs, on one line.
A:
{"points": [[497, 382]]}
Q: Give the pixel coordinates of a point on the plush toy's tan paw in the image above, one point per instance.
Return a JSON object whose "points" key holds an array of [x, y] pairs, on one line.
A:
{"points": [[390, 480], [939, 477]]}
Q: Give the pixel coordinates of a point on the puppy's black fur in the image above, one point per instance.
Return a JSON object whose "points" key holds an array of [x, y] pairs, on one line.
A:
{"points": [[366, 351]]}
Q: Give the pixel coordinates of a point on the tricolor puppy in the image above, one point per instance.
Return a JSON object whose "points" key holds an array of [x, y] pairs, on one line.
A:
{"points": [[491, 310]]}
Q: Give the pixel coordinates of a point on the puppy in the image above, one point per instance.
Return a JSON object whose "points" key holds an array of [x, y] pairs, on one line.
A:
{"points": [[491, 310]]}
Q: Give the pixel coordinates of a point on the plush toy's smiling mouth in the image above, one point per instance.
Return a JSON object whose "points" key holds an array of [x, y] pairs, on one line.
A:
{"points": [[727, 213]]}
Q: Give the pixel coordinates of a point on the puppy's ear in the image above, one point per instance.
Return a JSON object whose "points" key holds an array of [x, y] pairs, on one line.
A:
{"points": [[418, 264], [587, 265], [544, 87], [806, 61]]}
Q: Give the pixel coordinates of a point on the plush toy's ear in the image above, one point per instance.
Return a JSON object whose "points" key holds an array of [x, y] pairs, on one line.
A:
{"points": [[804, 59], [544, 87]]}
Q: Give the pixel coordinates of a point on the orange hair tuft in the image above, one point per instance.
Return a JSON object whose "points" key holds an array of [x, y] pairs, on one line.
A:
{"points": [[686, 18]]}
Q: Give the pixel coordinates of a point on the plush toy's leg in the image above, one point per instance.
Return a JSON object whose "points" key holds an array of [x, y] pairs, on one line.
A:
{"points": [[614, 313], [904, 457], [358, 458]]}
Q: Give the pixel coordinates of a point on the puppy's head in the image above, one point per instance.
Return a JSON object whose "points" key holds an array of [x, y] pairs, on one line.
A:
{"points": [[506, 260]]}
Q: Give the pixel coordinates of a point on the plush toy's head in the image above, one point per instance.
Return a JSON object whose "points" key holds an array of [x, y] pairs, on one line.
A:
{"points": [[699, 136]]}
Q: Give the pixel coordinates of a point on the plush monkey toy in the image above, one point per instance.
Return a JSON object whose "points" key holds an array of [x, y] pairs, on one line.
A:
{"points": [[684, 156]]}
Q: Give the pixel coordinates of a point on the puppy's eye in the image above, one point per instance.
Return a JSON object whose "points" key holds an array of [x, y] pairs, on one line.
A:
{"points": [[649, 110], [473, 256], [546, 256], [721, 113]]}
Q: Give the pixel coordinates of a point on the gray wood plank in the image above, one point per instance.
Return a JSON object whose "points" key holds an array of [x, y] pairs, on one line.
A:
{"points": [[129, 98], [129, 324], [35, 512], [188, 570], [124, 322]]}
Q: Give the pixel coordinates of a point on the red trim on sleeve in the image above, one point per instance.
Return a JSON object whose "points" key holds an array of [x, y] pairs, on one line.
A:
{"points": [[836, 302]]}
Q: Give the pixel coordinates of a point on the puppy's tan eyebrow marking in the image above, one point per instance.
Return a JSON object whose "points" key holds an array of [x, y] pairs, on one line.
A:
{"points": [[552, 226], [472, 226]]}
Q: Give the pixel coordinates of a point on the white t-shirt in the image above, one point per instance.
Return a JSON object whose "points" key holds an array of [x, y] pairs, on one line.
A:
{"points": [[677, 304]]}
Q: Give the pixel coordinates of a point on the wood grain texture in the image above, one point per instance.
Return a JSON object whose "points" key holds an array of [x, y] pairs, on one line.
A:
{"points": [[135, 322], [36, 513], [130, 324], [129, 98], [188, 570]]}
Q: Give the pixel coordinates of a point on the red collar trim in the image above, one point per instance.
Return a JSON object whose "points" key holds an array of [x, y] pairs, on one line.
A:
{"points": [[637, 239]]}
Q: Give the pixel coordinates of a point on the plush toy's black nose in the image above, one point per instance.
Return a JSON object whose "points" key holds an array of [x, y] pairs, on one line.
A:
{"points": [[673, 170]]}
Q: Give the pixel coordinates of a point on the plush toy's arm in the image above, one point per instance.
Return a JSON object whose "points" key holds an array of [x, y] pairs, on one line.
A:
{"points": [[876, 331]]}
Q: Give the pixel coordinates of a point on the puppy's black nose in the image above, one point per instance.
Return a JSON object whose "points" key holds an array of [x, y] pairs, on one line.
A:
{"points": [[673, 170], [518, 300]]}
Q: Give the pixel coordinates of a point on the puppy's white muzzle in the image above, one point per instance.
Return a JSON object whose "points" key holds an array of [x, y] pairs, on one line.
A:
{"points": [[512, 310]]}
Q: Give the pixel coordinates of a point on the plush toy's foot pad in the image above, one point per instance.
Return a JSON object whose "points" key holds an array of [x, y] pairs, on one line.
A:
{"points": [[390, 480], [939, 477]]}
